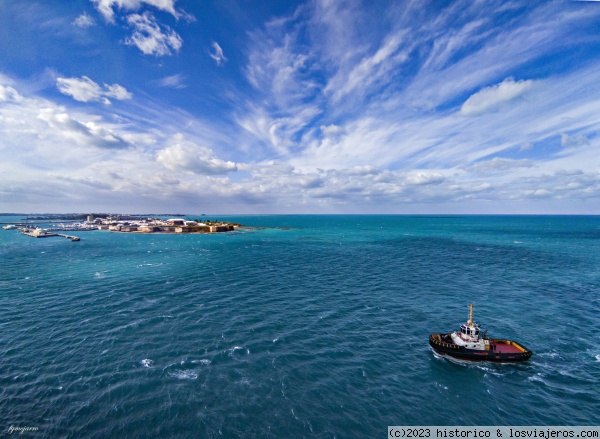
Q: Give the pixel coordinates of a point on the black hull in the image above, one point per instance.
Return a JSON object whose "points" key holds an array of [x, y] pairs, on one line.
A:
{"points": [[460, 352]]}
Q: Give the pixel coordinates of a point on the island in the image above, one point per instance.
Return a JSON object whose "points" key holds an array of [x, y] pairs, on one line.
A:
{"points": [[126, 224], [156, 225]]}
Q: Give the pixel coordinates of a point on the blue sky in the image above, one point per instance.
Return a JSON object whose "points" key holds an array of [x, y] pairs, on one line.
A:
{"points": [[235, 106]]}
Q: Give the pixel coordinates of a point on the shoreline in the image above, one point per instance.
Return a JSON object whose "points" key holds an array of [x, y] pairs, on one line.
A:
{"points": [[140, 226]]}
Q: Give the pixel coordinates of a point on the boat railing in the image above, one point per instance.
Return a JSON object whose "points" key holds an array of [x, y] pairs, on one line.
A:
{"points": [[436, 338]]}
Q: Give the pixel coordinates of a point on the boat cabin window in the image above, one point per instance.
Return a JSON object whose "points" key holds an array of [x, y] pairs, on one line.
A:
{"points": [[468, 331]]}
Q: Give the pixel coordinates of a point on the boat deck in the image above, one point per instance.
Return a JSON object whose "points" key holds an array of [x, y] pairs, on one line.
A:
{"points": [[504, 348]]}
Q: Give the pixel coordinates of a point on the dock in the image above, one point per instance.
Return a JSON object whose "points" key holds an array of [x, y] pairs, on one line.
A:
{"points": [[39, 233]]}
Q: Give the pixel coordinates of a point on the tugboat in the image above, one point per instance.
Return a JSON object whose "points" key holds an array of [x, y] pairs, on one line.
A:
{"points": [[470, 344]]}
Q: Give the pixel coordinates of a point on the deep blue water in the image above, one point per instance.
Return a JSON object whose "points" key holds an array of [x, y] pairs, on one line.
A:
{"points": [[305, 326]]}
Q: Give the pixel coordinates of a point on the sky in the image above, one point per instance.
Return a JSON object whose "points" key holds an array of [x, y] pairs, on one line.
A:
{"points": [[297, 107]]}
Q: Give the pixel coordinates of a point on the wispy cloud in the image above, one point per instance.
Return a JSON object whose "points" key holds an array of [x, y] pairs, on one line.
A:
{"points": [[383, 109], [217, 54], [174, 81], [84, 20], [85, 90], [371, 70]]}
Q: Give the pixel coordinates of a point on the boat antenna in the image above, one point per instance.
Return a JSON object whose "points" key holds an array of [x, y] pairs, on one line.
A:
{"points": [[470, 322]]}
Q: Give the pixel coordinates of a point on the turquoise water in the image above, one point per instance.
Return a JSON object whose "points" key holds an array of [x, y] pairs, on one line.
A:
{"points": [[305, 326]]}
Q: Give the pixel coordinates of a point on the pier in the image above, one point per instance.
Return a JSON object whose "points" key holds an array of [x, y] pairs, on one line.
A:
{"points": [[40, 233], [72, 238]]}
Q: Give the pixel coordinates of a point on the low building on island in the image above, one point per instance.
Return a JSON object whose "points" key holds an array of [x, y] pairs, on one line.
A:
{"points": [[171, 225]]}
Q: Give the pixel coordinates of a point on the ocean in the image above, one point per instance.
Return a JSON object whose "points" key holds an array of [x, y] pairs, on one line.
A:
{"points": [[300, 326]]}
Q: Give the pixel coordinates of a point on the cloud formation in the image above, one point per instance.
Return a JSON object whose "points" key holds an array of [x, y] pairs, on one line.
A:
{"points": [[42, 129], [85, 90], [8, 94], [335, 107], [186, 156], [84, 20], [82, 133], [151, 37], [107, 7], [492, 97]]}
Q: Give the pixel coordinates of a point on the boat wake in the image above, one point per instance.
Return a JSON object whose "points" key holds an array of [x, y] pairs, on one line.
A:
{"points": [[486, 366], [454, 360]]}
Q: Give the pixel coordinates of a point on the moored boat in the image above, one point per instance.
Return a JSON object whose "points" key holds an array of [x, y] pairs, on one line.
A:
{"points": [[470, 344]]}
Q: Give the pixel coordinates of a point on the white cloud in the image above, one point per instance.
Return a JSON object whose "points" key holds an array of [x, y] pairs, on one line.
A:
{"points": [[150, 38], [106, 7], [84, 20], [422, 178], [85, 90], [492, 97], [217, 54], [537, 193], [186, 156], [117, 91], [82, 133], [8, 94], [81, 89], [173, 81]]}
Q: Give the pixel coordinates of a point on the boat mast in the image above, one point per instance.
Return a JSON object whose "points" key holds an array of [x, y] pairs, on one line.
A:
{"points": [[470, 322]]}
